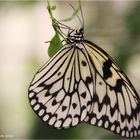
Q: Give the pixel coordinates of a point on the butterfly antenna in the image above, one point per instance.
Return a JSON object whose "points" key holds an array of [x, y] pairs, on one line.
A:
{"points": [[81, 11], [78, 15]]}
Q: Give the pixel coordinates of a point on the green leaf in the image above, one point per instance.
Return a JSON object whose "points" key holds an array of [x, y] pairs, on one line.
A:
{"points": [[75, 13], [55, 45]]}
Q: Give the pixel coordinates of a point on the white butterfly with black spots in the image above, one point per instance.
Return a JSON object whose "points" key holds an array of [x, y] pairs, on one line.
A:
{"points": [[81, 82]]}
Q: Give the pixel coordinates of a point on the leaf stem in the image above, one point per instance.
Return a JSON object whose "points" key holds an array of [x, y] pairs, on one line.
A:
{"points": [[55, 22]]}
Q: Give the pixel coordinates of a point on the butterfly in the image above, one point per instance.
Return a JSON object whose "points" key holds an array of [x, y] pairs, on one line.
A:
{"points": [[82, 83]]}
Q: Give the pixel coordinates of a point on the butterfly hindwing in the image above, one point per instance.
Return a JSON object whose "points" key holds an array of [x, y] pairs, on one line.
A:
{"points": [[116, 105], [58, 92]]}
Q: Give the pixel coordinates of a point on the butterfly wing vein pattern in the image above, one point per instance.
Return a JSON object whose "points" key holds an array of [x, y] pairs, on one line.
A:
{"points": [[116, 105], [83, 83]]}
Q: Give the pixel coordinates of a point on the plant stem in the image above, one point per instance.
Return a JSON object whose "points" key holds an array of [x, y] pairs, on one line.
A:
{"points": [[55, 23]]}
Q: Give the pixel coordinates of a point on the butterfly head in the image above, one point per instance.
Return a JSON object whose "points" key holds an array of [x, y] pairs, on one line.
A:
{"points": [[76, 36]]}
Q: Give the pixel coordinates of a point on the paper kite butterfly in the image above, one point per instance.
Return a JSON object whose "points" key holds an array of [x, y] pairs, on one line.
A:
{"points": [[82, 83]]}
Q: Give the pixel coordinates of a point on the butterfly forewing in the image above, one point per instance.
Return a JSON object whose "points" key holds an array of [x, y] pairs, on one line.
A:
{"points": [[116, 105]]}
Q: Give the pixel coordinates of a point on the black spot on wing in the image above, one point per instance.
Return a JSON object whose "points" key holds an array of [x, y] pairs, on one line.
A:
{"points": [[59, 73], [106, 100], [100, 106], [74, 105], [95, 98], [45, 86], [100, 83], [118, 86], [64, 108], [83, 108], [84, 63], [54, 102], [122, 118], [88, 79], [106, 69], [83, 95], [112, 110]]}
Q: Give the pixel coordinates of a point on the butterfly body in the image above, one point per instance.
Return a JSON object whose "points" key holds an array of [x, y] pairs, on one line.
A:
{"points": [[81, 82]]}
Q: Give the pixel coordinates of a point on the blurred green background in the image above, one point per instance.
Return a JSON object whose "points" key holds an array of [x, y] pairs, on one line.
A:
{"points": [[26, 25]]}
